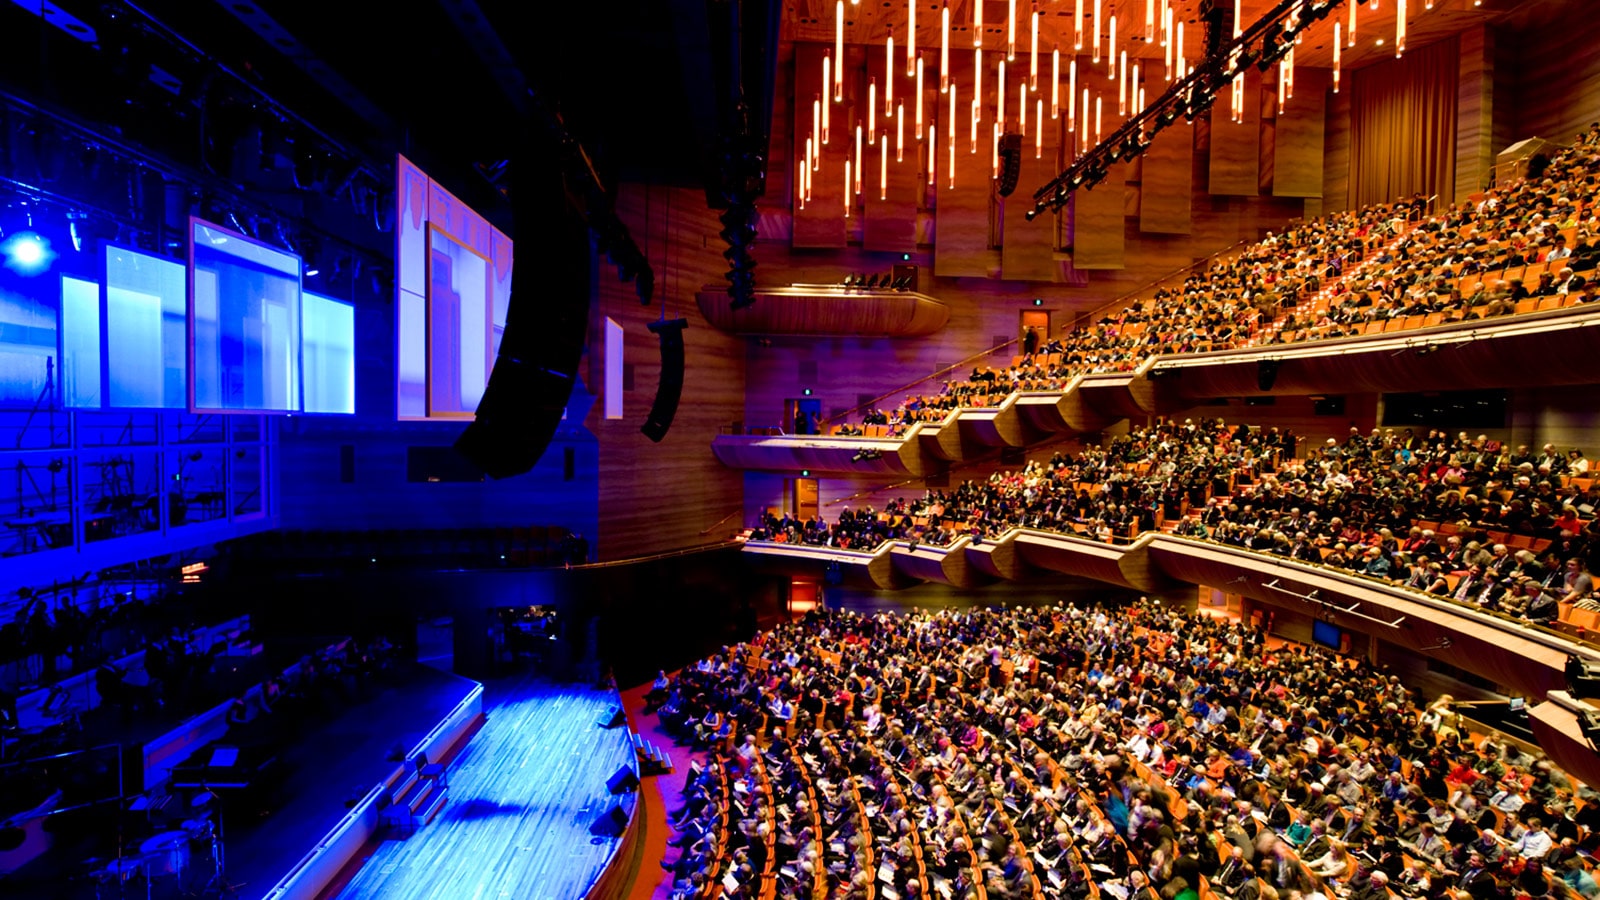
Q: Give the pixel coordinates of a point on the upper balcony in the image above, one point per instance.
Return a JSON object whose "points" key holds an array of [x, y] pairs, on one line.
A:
{"points": [[1540, 348]]}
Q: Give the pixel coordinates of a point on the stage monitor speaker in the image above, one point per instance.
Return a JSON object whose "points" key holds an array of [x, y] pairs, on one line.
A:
{"points": [[611, 718], [1010, 162], [670, 387], [546, 326], [612, 823], [1266, 374], [624, 782]]}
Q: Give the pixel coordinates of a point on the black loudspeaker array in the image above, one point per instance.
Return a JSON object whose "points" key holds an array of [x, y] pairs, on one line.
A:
{"points": [[670, 387], [612, 823], [533, 375], [624, 781], [1010, 162]]}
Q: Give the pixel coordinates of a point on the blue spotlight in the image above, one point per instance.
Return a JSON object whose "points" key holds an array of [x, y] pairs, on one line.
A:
{"points": [[27, 253]]}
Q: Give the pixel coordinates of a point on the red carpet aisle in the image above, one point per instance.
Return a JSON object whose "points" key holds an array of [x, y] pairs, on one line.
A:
{"points": [[653, 882]]}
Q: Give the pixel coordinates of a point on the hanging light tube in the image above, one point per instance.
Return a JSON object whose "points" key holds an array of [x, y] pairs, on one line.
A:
{"points": [[977, 24], [1097, 31], [888, 75], [911, 35], [872, 105], [1000, 95], [1122, 87], [900, 135], [931, 152], [1011, 29], [860, 160], [1033, 51], [849, 198], [1022, 110], [1350, 29], [1097, 99], [819, 113], [944, 50], [1290, 60], [919, 95], [1164, 20], [1083, 133], [977, 76], [1072, 95], [1399, 29], [1038, 128], [1169, 44], [1055, 83], [1337, 47], [1373, 6], [976, 116], [950, 164], [800, 183], [1111, 49], [1283, 82], [1150, 21], [952, 123], [838, 52], [1077, 24]]}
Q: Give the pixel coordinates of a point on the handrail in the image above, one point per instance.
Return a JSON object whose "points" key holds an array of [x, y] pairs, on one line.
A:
{"points": [[720, 521], [668, 554], [1159, 282], [959, 364]]}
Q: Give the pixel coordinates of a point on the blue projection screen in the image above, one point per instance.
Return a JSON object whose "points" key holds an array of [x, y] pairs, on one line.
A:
{"points": [[328, 354], [80, 342], [460, 326], [244, 315], [146, 346]]}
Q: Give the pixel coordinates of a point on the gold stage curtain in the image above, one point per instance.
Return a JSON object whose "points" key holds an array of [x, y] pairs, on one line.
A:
{"points": [[1403, 125]]}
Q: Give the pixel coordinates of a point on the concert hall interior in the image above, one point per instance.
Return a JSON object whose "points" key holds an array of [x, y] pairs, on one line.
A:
{"points": [[929, 449]]}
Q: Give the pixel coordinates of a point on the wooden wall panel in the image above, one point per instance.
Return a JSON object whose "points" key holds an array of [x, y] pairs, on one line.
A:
{"points": [[1336, 155], [819, 223], [656, 497], [1299, 137], [1557, 91], [1475, 111], [1235, 163], [1166, 189], [889, 219], [1027, 249], [1098, 230], [963, 213]]}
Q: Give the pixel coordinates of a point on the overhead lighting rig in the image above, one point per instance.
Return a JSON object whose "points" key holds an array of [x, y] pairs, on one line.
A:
{"points": [[1263, 44]]}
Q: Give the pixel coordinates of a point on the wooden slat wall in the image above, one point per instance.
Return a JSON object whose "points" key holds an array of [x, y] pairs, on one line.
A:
{"points": [[1027, 249], [1166, 190], [819, 223], [961, 246], [1299, 136], [890, 224], [1336, 155], [1475, 111], [1235, 163], [656, 497], [1557, 72], [1099, 235]]}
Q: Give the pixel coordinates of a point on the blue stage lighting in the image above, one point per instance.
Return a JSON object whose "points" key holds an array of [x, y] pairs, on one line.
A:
{"points": [[27, 253]]}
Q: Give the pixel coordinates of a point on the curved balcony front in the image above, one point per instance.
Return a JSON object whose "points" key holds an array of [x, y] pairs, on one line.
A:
{"points": [[826, 310]]}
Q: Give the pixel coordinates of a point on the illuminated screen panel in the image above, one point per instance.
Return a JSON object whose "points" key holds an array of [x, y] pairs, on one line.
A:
{"points": [[328, 354], [452, 284], [245, 323], [460, 326], [28, 307], [145, 331], [80, 343]]}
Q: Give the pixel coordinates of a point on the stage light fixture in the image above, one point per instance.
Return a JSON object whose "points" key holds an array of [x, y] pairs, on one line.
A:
{"points": [[1583, 677], [26, 253], [1589, 724]]}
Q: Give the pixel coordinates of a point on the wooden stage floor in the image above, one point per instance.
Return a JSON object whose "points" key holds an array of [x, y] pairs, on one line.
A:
{"points": [[522, 797]]}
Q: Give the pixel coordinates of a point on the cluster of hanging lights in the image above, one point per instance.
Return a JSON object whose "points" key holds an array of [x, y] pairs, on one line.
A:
{"points": [[1162, 26]]}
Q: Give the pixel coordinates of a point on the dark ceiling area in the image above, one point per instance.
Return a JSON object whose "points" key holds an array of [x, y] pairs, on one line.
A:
{"points": [[442, 81]]}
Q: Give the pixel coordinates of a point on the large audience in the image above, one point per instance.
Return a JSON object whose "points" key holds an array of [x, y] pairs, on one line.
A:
{"points": [[1503, 528], [1343, 274], [1134, 751]]}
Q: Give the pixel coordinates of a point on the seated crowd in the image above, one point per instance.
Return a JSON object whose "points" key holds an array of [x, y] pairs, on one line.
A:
{"points": [[1134, 751], [1520, 248], [1502, 528]]}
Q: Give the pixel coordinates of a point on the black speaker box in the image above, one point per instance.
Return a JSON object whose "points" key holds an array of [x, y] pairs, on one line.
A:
{"points": [[546, 322], [611, 718], [1010, 162], [624, 782], [612, 823], [670, 388]]}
